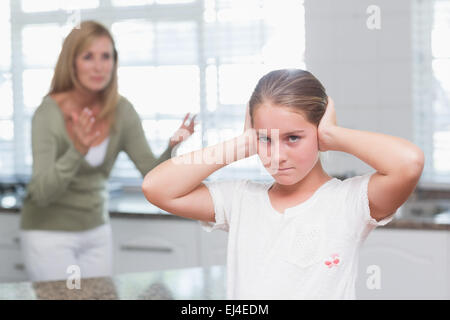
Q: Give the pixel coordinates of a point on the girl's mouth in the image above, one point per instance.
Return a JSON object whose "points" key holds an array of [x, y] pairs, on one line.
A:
{"points": [[284, 169]]}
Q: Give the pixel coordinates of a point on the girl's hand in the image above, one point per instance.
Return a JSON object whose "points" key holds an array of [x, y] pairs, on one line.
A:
{"points": [[81, 130], [326, 126], [249, 135], [248, 119], [183, 132]]}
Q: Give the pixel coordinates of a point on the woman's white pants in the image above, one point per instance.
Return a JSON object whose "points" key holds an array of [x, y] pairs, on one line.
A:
{"points": [[56, 255]]}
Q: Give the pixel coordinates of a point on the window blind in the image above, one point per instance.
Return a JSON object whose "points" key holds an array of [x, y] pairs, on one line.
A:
{"points": [[431, 86], [175, 56], [440, 48]]}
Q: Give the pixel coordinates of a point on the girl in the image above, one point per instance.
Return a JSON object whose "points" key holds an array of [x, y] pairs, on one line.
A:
{"points": [[299, 236]]}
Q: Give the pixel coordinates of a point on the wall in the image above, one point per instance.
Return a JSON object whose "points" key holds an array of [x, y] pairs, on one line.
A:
{"points": [[366, 72]]}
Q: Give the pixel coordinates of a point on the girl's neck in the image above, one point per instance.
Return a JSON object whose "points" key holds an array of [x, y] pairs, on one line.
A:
{"points": [[310, 183]]}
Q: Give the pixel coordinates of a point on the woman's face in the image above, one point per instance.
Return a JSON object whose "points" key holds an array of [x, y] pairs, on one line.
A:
{"points": [[287, 143], [94, 66]]}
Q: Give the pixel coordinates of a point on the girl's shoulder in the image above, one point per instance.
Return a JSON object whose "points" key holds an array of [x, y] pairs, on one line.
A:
{"points": [[354, 182]]}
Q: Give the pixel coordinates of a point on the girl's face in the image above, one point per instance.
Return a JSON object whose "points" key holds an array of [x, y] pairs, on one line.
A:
{"points": [[94, 65], [287, 143]]}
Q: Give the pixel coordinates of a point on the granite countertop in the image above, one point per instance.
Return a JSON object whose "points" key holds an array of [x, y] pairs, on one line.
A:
{"points": [[178, 284], [433, 214]]}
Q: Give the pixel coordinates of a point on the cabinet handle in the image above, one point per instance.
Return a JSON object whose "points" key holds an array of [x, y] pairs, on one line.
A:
{"points": [[19, 266], [146, 248]]}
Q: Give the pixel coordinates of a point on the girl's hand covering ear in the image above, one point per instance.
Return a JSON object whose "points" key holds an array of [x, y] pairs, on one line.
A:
{"points": [[326, 126], [249, 135], [248, 120]]}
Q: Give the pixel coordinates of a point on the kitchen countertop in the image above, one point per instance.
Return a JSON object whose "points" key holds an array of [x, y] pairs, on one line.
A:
{"points": [[132, 204], [178, 284]]}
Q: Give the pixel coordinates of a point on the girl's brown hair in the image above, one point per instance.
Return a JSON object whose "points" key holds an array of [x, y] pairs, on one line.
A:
{"points": [[293, 88], [64, 77]]}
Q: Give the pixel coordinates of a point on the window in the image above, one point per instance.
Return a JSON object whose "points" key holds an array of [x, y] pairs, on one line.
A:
{"points": [[175, 56], [441, 102], [431, 86], [7, 137]]}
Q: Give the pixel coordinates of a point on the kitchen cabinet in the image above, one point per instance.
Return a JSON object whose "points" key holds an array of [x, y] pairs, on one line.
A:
{"points": [[12, 268], [410, 264], [147, 244], [213, 247]]}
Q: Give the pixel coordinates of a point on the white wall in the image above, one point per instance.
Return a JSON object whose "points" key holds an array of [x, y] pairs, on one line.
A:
{"points": [[366, 72]]}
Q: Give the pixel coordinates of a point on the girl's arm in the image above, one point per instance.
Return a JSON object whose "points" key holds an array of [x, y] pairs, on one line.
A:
{"points": [[176, 184], [398, 162]]}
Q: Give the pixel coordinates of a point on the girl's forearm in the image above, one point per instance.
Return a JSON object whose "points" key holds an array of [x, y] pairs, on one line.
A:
{"points": [[388, 155], [180, 175]]}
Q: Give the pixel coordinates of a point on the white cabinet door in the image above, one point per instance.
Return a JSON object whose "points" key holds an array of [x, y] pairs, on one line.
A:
{"points": [[213, 247], [404, 264], [11, 263], [145, 244]]}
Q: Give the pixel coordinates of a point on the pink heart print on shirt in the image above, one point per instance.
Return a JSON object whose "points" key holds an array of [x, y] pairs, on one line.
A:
{"points": [[333, 260]]}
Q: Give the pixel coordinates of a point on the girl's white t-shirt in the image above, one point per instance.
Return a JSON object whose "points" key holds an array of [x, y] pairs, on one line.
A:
{"points": [[308, 252]]}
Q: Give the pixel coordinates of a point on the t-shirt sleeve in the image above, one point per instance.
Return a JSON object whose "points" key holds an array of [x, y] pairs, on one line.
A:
{"points": [[357, 202], [225, 196]]}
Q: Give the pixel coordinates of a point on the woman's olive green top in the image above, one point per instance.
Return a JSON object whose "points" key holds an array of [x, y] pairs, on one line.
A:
{"points": [[65, 192]]}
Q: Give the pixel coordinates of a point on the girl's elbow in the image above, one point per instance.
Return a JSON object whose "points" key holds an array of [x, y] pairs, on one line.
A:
{"points": [[148, 189], [416, 164], [152, 191]]}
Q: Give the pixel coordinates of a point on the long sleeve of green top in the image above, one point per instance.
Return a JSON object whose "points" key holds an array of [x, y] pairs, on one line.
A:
{"points": [[66, 193]]}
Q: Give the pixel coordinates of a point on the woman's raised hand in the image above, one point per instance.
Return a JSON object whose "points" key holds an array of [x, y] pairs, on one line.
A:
{"points": [[184, 131], [83, 134]]}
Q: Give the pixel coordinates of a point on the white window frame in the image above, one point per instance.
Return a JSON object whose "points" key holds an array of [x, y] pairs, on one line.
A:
{"points": [[423, 90], [107, 14]]}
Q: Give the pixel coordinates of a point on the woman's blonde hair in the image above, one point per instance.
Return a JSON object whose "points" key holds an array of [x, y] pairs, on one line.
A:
{"points": [[65, 78]]}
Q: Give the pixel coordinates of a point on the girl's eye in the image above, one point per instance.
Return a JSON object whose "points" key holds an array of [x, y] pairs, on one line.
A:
{"points": [[106, 56], [294, 138], [264, 139], [87, 56]]}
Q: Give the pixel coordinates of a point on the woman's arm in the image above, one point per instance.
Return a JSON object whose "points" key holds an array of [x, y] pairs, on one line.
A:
{"points": [[137, 147], [398, 162], [135, 143]]}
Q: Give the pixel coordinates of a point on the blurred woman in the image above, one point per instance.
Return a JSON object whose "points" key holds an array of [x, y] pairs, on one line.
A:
{"points": [[77, 133]]}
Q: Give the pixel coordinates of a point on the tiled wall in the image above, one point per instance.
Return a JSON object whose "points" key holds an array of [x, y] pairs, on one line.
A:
{"points": [[366, 72]]}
